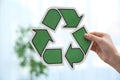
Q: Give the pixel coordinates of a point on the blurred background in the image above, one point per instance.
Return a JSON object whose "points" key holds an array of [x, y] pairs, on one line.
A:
{"points": [[18, 61]]}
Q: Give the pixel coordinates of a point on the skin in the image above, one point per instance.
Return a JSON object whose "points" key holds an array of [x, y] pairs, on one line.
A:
{"points": [[105, 49]]}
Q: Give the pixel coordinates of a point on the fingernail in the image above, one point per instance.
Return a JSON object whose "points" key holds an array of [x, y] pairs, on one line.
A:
{"points": [[86, 35]]}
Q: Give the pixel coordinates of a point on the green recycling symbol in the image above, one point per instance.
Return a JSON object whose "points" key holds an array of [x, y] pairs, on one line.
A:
{"points": [[42, 37]]}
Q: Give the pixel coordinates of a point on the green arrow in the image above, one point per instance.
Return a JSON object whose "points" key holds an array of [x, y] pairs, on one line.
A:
{"points": [[52, 19], [71, 18], [40, 40], [53, 56], [74, 55], [83, 43]]}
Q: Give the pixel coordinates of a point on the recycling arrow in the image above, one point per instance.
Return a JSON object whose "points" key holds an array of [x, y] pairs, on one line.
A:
{"points": [[74, 55], [42, 38], [79, 36], [53, 17], [71, 18], [53, 56]]}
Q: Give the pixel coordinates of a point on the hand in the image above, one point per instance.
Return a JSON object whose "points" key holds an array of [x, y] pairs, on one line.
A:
{"points": [[105, 48]]}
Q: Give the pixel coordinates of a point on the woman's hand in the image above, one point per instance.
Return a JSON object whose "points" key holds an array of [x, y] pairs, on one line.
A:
{"points": [[105, 48]]}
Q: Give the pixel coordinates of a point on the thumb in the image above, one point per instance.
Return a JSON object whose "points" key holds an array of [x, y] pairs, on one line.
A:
{"points": [[92, 37]]}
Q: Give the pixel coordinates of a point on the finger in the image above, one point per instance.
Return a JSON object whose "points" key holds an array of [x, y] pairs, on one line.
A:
{"points": [[93, 48], [93, 38], [100, 34]]}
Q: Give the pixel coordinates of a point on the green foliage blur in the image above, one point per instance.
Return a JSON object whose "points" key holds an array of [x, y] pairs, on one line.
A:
{"points": [[26, 53]]}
